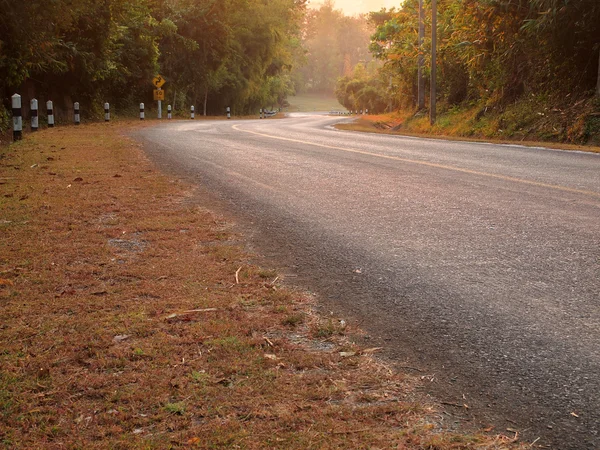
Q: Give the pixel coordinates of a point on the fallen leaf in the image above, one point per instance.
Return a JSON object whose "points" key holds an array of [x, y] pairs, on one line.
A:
{"points": [[270, 356], [120, 338], [43, 372], [574, 414], [372, 350], [78, 179], [347, 354], [4, 282]]}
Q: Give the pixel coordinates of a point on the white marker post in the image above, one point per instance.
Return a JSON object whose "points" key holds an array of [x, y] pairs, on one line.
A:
{"points": [[107, 112], [142, 112], [77, 114], [50, 111], [169, 115], [367, 112], [193, 114], [160, 109], [228, 112], [35, 120], [261, 113], [17, 114]]}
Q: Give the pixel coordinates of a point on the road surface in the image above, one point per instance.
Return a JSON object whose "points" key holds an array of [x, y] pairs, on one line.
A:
{"points": [[477, 265]]}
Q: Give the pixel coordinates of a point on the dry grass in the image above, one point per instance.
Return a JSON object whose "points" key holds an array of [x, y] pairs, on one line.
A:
{"points": [[122, 324], [313, 102]]}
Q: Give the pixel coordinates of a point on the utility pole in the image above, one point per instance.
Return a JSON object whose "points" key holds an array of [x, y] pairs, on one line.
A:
{"points": [[421, 79], [432, 115], [391, 95]]}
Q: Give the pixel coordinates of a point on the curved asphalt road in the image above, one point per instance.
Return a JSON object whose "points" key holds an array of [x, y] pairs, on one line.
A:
{"points": [[478, 264]]}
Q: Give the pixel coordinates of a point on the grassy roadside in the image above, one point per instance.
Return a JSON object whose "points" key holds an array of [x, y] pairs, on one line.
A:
{"points": [[130, 318], [313, 102], [456, 125]]}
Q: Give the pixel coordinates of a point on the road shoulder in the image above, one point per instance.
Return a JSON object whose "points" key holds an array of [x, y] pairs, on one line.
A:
{"points": [[132, 316]]}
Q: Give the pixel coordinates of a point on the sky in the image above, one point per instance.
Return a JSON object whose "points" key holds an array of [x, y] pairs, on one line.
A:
{"points": [[351, 7]]}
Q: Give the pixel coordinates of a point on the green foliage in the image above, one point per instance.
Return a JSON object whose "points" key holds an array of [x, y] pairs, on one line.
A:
{"points": [[175, 408], [493, 51], [363, 89], [221, 53], [334, 44], [5, 121]]}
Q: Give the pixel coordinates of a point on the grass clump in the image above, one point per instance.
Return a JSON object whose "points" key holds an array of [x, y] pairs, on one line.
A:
{"points": [[175, 408], [293, 320]]}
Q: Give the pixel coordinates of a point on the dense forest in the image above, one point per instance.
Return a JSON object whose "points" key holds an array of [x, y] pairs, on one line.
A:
{"points": [[334, 44], [513, 60], [542, 55], [213, 53]]}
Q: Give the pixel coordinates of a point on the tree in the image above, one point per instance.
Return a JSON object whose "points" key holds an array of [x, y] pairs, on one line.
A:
{"points": [[239, 52], [334, 44]]}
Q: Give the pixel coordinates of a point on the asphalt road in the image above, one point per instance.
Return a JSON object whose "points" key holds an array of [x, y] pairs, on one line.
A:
{"points": [[478, 265]]}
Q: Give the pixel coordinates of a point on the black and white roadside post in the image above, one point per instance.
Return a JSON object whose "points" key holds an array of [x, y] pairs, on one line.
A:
{"points": [[261, 113], [77, 113], [142, 112], [35, 120], [17, 113], [50, 112], [228, 112], [367, 112], [192, 113], [169, 115], [107, 112], [160, 106]]}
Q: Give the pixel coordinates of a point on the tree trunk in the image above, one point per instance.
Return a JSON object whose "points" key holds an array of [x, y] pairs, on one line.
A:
{"points": [[420, 62], [433, 89], [205, 100]]}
